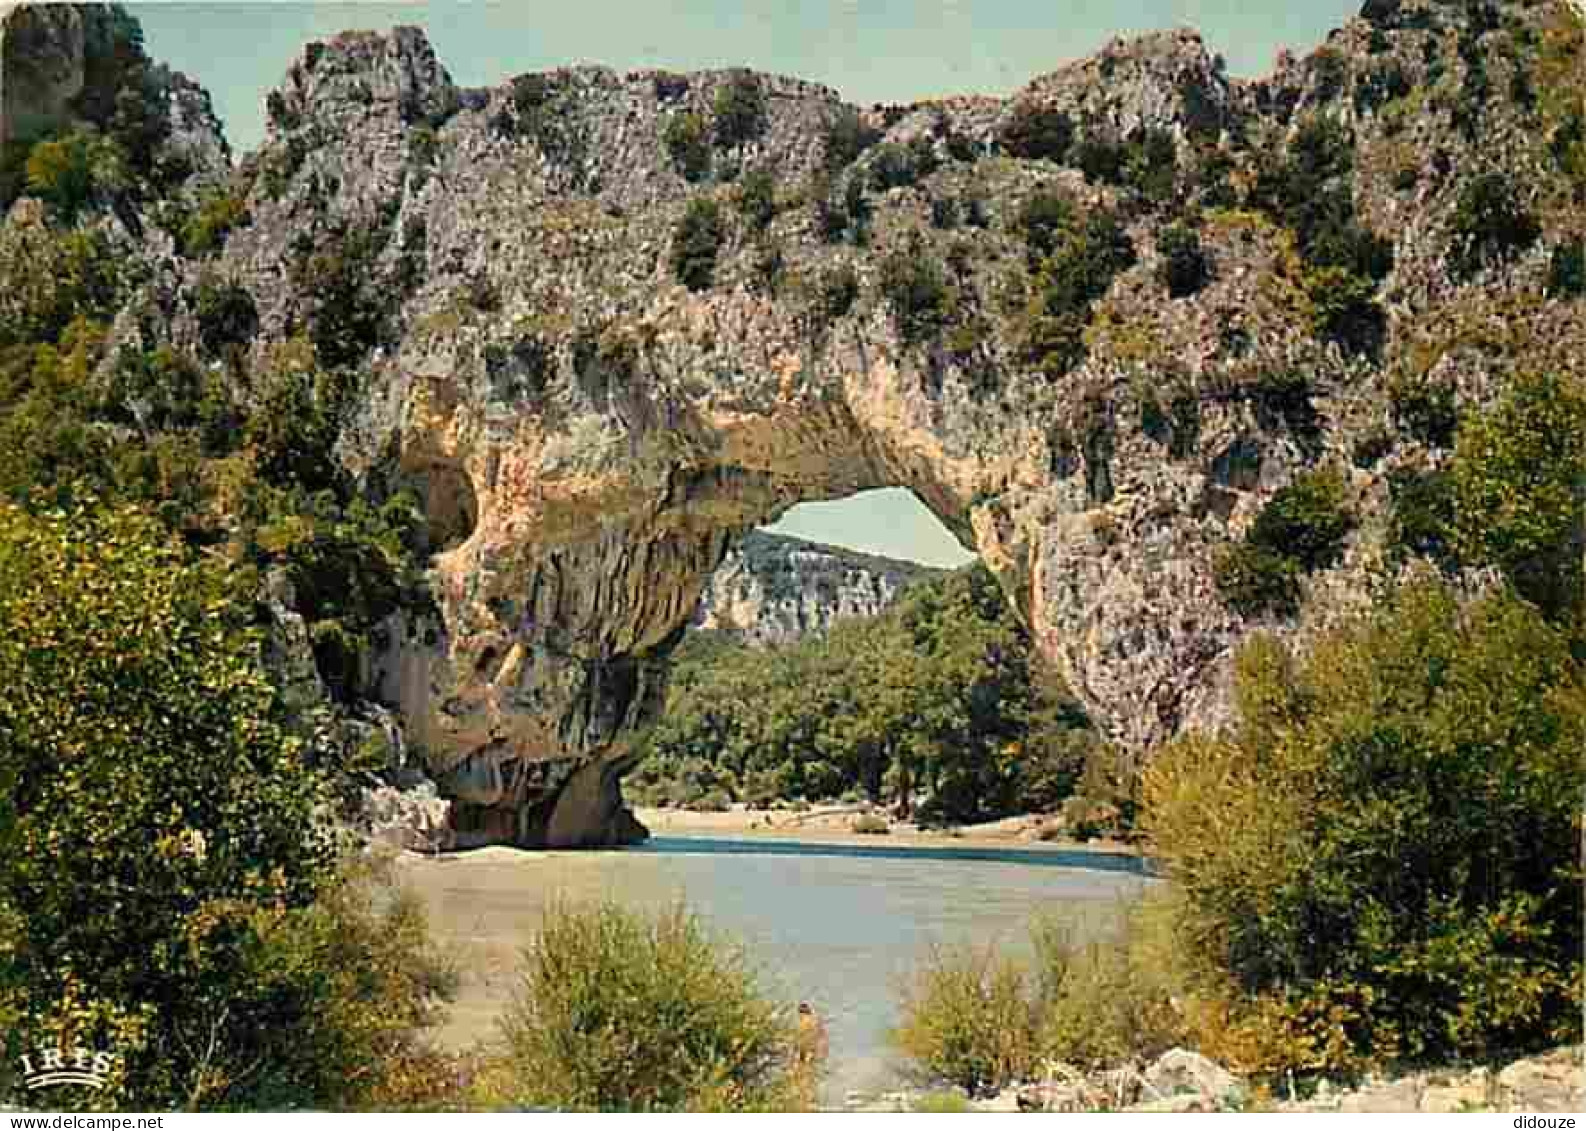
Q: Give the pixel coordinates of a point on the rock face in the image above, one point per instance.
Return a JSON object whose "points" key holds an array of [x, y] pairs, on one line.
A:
{"points": [[53, 56], [590, 438], [42, 54], [772, 589]]}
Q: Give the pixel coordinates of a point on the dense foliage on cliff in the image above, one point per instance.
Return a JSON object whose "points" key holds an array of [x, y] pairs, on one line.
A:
{"points": [[169, 890], [937, 707]]}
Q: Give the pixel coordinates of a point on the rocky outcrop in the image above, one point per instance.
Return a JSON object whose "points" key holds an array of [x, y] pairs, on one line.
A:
{"points": [[59, 64], [590, 438], [1184, 1081], [43, 50], [771, 589]]}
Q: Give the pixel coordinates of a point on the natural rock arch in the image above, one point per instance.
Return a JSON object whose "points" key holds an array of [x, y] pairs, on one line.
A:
{"points": [[588, 435], [595, 434]]}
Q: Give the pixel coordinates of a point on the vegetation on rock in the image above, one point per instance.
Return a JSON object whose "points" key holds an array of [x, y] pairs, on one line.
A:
{"points": [[696, 243]]}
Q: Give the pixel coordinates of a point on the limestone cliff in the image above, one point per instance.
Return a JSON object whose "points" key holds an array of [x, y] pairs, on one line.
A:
{"points": [[771, 589], [590, 437]]}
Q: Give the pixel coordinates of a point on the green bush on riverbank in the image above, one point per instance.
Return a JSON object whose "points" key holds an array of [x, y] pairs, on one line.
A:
{"points": [[621, 1011], [1377, 867]]}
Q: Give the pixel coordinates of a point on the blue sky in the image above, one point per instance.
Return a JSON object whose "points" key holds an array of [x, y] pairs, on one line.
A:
{"points": [[868, 50]]}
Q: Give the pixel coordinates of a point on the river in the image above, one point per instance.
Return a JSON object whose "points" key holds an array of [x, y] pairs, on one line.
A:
{"points": [[835, 924]]}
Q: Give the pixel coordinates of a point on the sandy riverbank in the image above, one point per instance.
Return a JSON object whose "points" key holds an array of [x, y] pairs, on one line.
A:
{"points": [[835, 824]]}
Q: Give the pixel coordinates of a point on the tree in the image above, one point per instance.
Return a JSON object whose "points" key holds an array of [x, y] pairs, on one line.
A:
{"points": [[1519, 482], [168, 884], [1380, 861], [152, 804]]}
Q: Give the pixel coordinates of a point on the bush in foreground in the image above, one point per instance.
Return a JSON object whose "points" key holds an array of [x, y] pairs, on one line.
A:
{"points": [[968, 1017], [1382, 858], [168, 892], [622, 1011]]}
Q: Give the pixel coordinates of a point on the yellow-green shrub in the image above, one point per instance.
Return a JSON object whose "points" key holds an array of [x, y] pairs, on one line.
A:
{"points": [[968, 1017], [1111, 999], [622, 1011], [1381, 857], [168, 891]]}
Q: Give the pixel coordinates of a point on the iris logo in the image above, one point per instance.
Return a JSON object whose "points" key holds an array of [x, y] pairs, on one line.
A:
{"points": [[48, 1068]]}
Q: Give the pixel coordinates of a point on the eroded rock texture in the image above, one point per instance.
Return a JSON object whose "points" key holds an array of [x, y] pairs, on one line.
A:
{"points": [[590, 437]]}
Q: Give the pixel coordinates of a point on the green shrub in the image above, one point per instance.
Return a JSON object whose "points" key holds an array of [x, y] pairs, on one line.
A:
{"points": [[944, 213], [967, 1017], [916, 291], [348, 310], [1517, 473], [619, 1011], [1184, 269], [48, 279], [696, 242], [1301, 528], [1381, 857], [217, 214], [1423, 514], [1074, 259], [1424, 409], [895, 165], [844, 138], [163, 386], [67, 172], [1042, 221], [227, 316], [292, 430], [1344, 309], [942, 1103], [1108, 1001], [1491, 224], [1100, 158], [740, 111], [1151, 165], [835, 293], [1566, 276], [1255, 581], [1308, 520], [1035, 132], [756, 198], [687, 141]]}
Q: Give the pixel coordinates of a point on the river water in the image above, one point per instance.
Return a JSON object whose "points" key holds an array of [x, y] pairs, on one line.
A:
{"points": [[834, 924]]}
